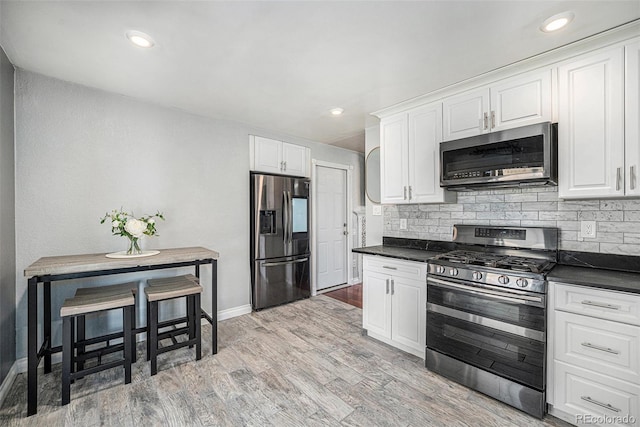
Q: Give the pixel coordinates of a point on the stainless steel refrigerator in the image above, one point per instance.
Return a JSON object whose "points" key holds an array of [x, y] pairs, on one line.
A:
{"points": [[280, 238]]}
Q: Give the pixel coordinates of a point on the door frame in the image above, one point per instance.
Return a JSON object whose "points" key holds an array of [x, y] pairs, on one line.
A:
{"points": [[315, 164]]}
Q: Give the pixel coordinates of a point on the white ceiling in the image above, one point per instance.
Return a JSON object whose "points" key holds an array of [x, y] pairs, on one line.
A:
{"points": [[282, 65]]}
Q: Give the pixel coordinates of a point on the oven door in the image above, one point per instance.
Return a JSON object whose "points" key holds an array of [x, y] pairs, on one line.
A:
{"points": [[499, 331]]}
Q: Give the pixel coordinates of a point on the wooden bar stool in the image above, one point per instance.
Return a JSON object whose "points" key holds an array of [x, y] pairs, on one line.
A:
{"points": [[167, 289], [80, 306], [81, 324]]}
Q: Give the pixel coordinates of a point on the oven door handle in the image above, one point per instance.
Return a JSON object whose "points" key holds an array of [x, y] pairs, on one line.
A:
{"points": [[503, 296]]}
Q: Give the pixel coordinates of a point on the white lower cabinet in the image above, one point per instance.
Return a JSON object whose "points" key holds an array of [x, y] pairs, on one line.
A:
{"points": [[394, 299], [594, 356]]}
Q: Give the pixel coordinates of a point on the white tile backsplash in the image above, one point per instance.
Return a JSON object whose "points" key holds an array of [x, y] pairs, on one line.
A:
{"points": [[617, 221]]}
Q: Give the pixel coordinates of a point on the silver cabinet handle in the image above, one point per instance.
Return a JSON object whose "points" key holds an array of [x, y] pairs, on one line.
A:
{"points": [[597, 347], [281, 166], [618, 179], [393, 288], [493, 119], [601, 305], [632, 177], [604, 405], [410, 196], [389, 268], [405, 193], [285, 165], [387, 286], [485, 121]]}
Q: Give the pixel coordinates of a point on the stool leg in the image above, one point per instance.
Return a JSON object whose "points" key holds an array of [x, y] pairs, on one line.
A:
{"points": [[148, 331], [196, 324], [126, 337], [81, 335], [134, 349], [190, 314], [152, 332], [67, 356]]}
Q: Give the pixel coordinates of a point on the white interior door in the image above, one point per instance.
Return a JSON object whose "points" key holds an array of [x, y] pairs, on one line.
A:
{"points": [[331, 208]]}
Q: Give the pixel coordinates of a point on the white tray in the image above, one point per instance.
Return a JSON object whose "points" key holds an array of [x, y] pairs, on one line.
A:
{"points": [[123, 254]]}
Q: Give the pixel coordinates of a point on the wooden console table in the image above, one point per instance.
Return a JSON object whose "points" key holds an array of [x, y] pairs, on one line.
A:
{"points": [[48, 270]]}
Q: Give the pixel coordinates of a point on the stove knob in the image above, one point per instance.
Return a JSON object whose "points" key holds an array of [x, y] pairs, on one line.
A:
{"points": [[453, 272], [523, 283], [476, 275], [503, 280], [440, 269]]}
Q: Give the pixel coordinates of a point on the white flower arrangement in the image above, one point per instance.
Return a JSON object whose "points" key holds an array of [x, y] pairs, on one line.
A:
{"points": [[127, 225]]}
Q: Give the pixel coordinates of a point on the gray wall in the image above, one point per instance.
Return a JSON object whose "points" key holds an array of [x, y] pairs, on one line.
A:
{"points": [[81, 152], [617, 221], [7, 221]]}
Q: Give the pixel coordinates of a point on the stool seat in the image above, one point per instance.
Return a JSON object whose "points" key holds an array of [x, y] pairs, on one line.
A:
{"points": [[176, 289], [91, 303], [173, 279], [109, 289]]}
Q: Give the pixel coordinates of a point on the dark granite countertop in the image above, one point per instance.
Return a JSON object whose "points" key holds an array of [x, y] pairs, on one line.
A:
{"points": [[418, 255], [594, 270], [596, 278]]}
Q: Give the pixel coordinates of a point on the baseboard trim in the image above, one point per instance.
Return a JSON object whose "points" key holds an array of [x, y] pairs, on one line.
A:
{"points": [[8, 381], [333, 288], [234, 312]]}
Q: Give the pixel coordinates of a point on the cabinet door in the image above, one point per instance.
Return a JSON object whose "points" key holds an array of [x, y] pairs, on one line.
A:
{"points": [[425, 135], [632, 118], [466, 114], [295, 160], [393, 159], [408, 308], [591, 126], [520, 101], [376, 303], [267, 155]]}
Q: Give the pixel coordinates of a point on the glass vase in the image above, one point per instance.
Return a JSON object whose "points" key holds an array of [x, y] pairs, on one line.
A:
{"points": [[134, 246]]}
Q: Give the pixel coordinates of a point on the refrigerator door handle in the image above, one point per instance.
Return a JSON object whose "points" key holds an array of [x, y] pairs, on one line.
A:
{"points": [[290, 217], [275, 264], [285, 216]]}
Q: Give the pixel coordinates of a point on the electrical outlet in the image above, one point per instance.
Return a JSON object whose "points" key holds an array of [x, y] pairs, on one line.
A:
{"points": [[588, 229], [377, 210], [403, 223]]}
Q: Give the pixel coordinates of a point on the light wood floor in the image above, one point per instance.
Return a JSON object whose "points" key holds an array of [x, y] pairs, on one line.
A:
{"points": [[302, 364]]}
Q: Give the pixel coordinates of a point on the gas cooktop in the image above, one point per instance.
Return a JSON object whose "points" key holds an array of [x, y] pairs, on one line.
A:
{"points": [[505, 262]]}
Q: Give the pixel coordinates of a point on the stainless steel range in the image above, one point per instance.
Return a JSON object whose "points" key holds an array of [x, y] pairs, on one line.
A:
{"points": [[486, 312]]}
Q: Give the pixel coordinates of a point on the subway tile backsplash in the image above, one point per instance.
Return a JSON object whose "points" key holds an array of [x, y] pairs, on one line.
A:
{"points": [[617, 221]]}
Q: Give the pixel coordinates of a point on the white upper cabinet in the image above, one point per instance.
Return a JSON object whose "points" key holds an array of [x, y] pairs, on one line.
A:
{"points": [[272, 156], [466, 114], [517, 101], [632, 117], [394, 174], [410, 162], [591, 148], [296, 159]]}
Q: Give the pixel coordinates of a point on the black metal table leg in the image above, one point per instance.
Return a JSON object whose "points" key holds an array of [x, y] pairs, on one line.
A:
{"points": [[214, 306], [32, 350], [46, 336]]}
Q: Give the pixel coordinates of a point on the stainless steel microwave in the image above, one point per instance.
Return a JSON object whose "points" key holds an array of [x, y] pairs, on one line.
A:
{"points": [[525, 156]]}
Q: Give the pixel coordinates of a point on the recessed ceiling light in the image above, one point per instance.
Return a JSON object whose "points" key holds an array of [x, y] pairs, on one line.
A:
{"points": [[556, 22], [336, 111], [140, 39]]}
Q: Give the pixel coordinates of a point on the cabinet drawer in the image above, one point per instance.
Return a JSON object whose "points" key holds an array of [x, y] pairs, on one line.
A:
{"points": [[603, 304], [602, 346], [397, 268], [595, 399]]}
